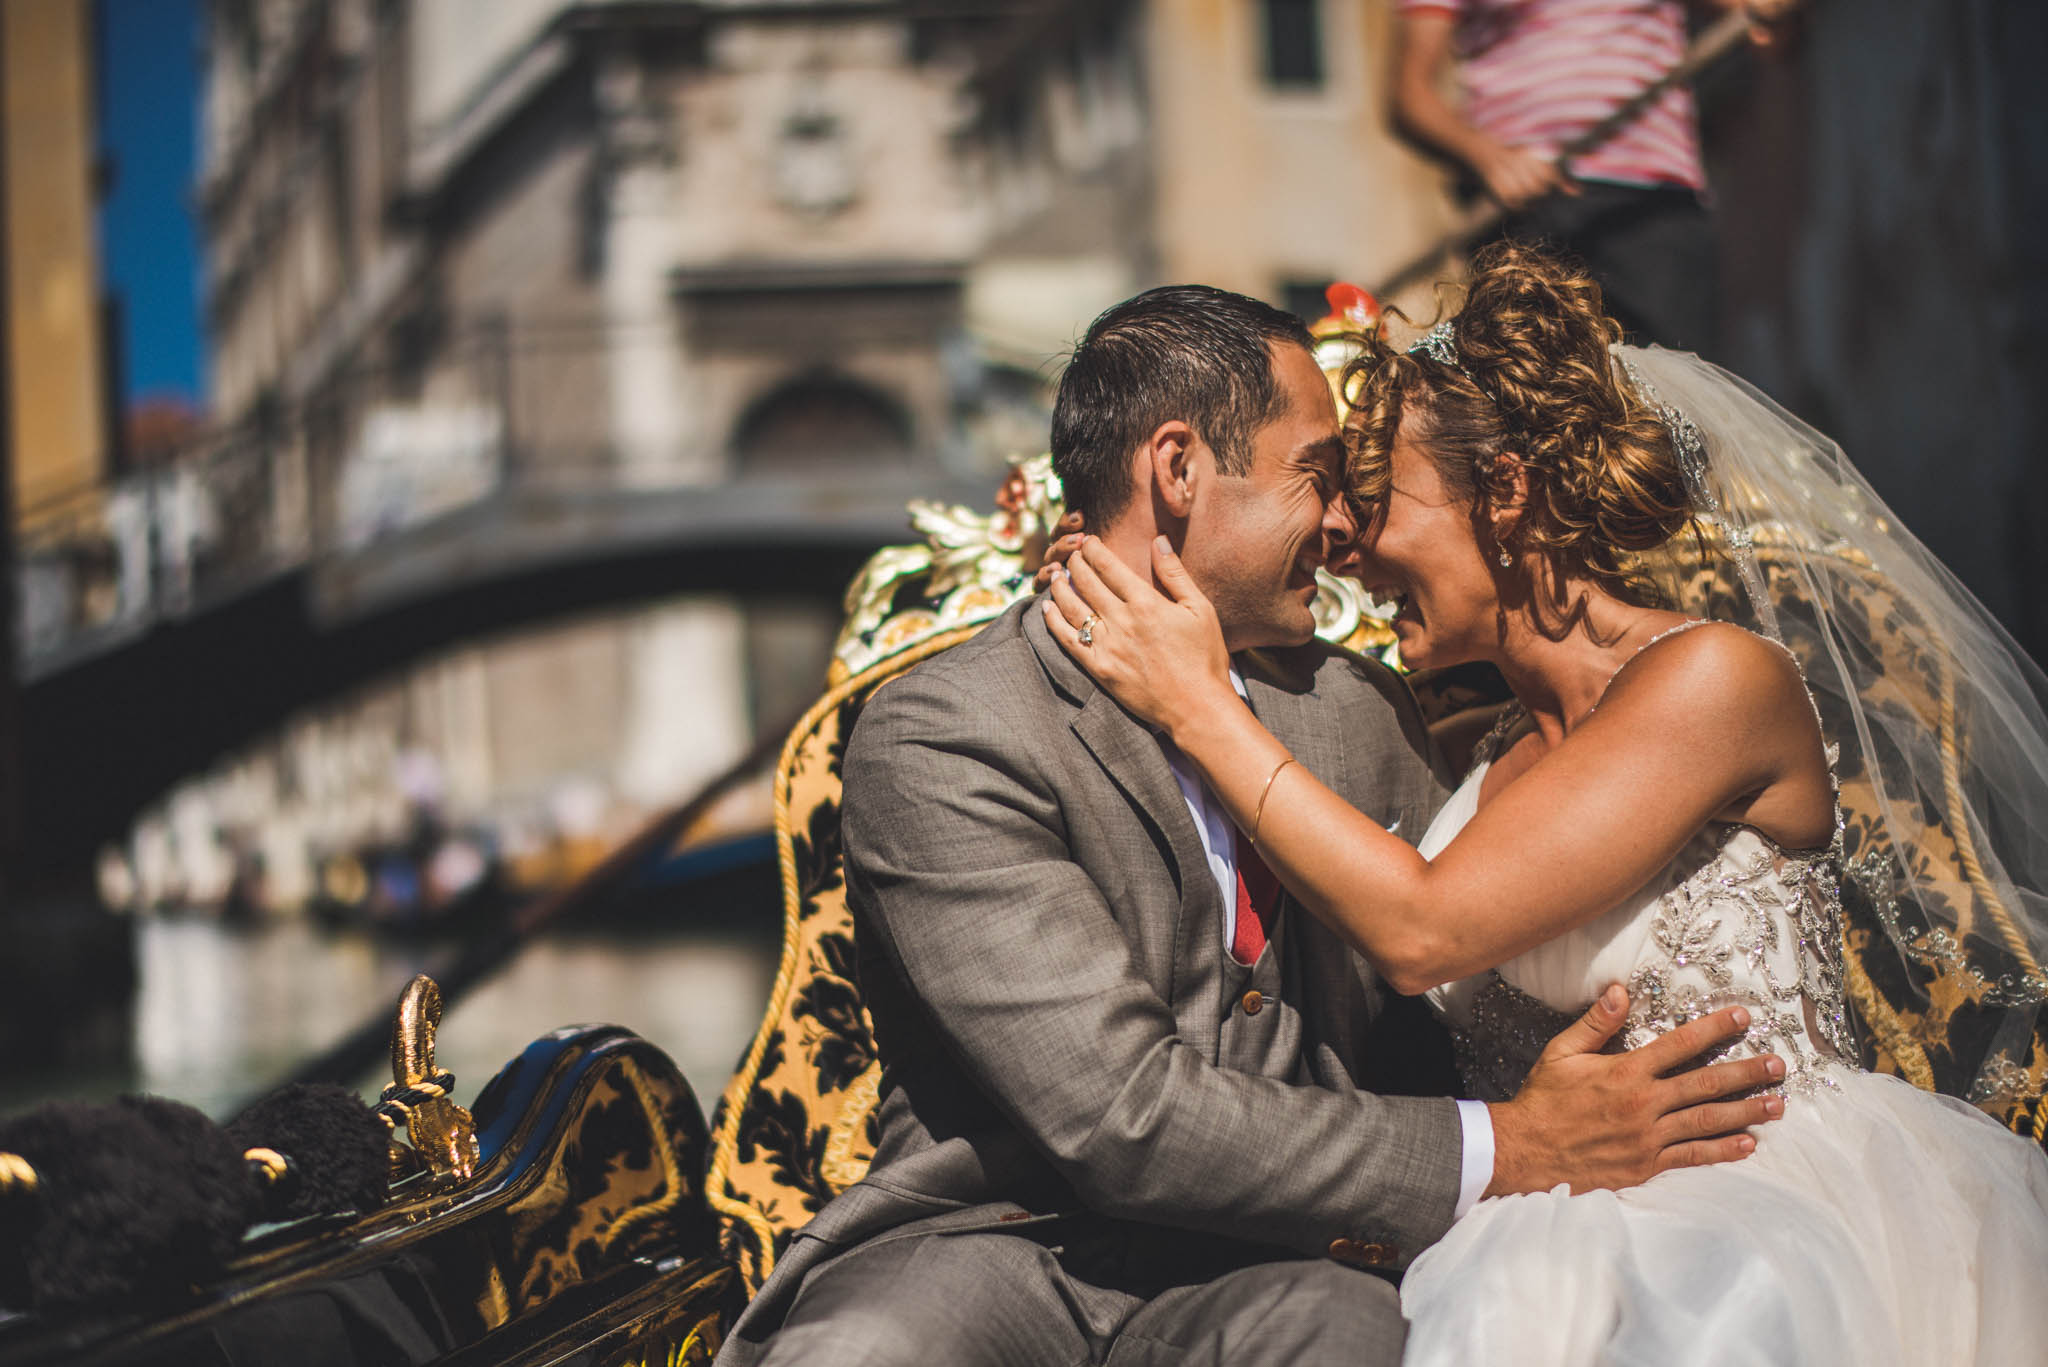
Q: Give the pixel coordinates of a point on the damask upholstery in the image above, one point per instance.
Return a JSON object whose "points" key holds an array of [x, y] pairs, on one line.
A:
{"points": [[794, 1126]]}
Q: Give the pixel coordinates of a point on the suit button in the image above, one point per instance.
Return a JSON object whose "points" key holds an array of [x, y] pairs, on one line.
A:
{"points": [[1354, 1253], [1253, 1002]]}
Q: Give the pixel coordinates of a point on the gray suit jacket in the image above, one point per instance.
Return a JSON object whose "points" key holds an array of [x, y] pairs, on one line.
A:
{"points": [[1060, 1024]]}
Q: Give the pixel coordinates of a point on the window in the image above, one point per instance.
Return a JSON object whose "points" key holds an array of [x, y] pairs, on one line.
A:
{"points": [[1293, 34]]}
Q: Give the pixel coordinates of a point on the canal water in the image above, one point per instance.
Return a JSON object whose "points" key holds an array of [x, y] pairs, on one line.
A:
{"points": [[223, 1013]]}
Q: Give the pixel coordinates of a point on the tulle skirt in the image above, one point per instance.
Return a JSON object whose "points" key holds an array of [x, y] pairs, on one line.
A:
{"points": [[1874, 1224]]}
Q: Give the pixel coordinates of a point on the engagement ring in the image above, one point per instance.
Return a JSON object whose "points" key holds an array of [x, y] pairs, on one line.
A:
{"points": [[1087, 636]]}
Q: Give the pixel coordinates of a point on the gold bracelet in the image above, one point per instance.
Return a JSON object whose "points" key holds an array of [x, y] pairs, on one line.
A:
{"points": [[1265, 792]]}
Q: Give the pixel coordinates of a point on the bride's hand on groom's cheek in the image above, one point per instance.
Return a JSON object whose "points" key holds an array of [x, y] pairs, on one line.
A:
{"points": [[1066, 539], [1160, 654]]}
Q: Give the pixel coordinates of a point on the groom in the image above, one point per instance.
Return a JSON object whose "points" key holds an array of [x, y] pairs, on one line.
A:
{"points": [[1120, 1118]]}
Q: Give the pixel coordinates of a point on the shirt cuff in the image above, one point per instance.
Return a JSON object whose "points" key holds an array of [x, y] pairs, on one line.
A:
{"points": [[1476, 1166]]}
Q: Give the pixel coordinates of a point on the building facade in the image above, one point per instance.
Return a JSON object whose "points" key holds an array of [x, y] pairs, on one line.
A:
{"points": [[460, 246], [57, 400]]}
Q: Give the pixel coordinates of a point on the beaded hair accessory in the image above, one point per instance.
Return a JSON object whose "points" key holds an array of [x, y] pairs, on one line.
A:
{"points": [[1686, 439], [1440, 344], [1690, 446]]}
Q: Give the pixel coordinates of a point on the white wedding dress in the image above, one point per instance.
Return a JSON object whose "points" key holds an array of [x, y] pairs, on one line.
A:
{"points": [[1874, 1224]]}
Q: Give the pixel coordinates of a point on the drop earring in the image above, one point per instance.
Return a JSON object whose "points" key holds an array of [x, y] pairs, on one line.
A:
{"points": [[1501, 556]]}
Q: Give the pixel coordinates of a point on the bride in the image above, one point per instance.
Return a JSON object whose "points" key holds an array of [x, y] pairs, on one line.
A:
{"points": [[1659, 807]]}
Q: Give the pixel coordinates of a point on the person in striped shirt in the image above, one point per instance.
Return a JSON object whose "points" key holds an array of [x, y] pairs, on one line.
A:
{"points": [[1533, 74]]}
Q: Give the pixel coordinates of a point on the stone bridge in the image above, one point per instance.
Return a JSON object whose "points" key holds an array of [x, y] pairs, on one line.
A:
{"points": [[182, 614]]}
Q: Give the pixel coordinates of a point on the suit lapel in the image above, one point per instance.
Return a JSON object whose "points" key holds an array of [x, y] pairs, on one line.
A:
{"points": [[1135, 762], [1285, 702], [1283, 698], [1282, 695]]}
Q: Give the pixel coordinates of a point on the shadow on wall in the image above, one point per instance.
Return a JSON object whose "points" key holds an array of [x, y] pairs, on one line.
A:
{"points": [[1882, 187]]}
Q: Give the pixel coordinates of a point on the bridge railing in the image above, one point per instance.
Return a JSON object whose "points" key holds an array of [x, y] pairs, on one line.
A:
{"points": [[367, 461], [104, 560]]}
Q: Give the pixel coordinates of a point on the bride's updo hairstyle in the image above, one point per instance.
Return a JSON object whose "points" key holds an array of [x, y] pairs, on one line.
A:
{"points": [[1533, 381]]}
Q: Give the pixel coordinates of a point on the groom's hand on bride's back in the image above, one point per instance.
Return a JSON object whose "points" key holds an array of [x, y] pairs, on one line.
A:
{"points": [[1594, 1120]]}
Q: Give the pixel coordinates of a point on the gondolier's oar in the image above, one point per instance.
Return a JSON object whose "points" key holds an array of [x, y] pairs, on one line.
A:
{"points": [[369, 1043], [1480, 219]]}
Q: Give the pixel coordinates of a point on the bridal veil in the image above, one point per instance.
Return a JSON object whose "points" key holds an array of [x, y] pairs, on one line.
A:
{"points": [[1940, 718]]}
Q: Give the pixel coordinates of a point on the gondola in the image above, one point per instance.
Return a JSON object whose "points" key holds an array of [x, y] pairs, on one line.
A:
{"points": [[558, 1218], [579, 1210]]}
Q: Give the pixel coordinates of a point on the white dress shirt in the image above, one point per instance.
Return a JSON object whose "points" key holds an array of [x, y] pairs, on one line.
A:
{"points": [[1219, 843]]}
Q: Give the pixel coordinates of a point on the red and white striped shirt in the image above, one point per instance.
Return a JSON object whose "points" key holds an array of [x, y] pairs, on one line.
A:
{"points": [[1536, 73]]}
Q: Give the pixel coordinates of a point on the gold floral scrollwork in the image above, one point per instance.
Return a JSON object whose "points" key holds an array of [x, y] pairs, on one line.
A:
{"points": [[969, 568], [1346, 617], [869, 601]]}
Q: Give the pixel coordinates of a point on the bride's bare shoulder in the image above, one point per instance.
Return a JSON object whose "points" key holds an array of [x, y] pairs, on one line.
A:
{"points": [[1719, 677]]}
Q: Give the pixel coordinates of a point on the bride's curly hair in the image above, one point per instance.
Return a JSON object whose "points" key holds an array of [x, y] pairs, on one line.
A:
{"points": [[1537, 385]]}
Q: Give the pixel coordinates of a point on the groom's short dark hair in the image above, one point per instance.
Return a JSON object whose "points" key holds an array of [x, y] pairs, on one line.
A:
{"points": [[1190, 352]]}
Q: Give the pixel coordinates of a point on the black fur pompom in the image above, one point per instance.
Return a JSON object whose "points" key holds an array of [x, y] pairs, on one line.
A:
{"points": [[134, 1201], [338, 1149]]}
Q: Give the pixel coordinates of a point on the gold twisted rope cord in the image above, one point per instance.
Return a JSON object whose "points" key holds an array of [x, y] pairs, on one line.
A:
{"points": [[17, 1174], [271, 1161], [1952, 794], [1949, 737], [1891, 1032], [675, 1180], [726, 1143]]}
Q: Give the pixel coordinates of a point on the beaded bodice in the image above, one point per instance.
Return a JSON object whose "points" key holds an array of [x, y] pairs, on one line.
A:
{"points": [[1733, 919]]}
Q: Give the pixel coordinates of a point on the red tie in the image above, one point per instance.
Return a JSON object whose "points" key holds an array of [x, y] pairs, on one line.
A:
{"points": [[1258, 893]]}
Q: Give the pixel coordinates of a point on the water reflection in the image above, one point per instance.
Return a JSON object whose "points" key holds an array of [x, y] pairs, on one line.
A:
{"points": [[222, 1014]]}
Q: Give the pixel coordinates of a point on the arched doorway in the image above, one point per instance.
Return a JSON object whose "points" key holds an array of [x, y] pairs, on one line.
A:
{"points": [[821, 422]]}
